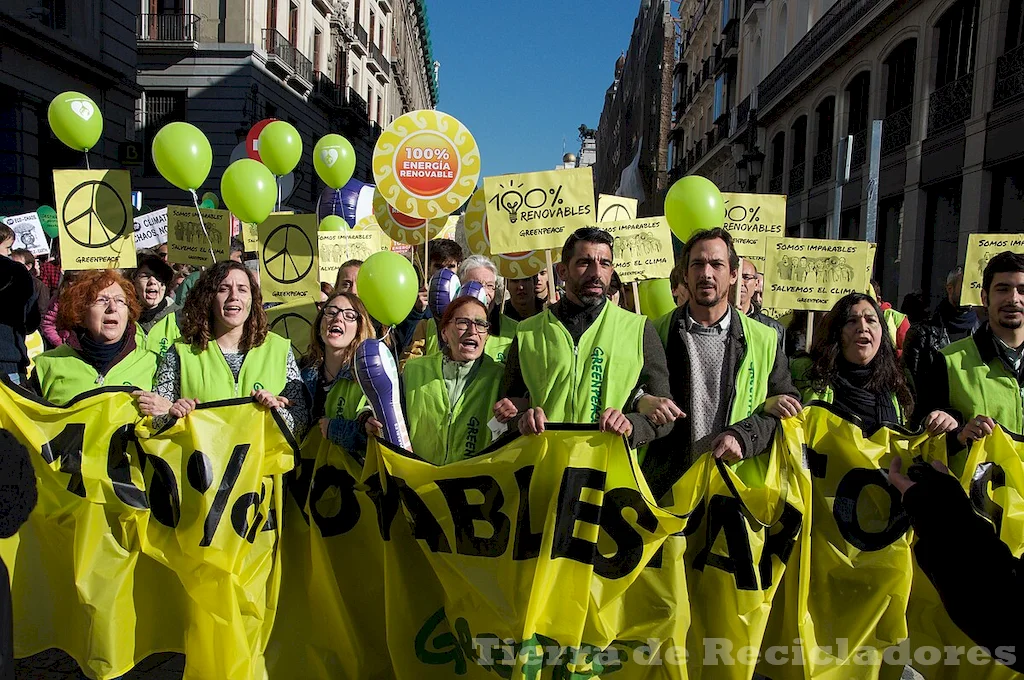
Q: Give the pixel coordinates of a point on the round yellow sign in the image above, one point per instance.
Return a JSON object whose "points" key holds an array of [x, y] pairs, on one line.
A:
{"points": [[426, 164], [369, 223], [510, 265], [400, 227]]}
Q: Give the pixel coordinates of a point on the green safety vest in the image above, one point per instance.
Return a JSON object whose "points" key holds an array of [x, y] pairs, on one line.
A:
{"points": [[63, 374], [206, 376], [799, 369], [893, 321], [980, 389], [441, 432], [345, 400], [496, 346], [161, 336], [576, 383]]}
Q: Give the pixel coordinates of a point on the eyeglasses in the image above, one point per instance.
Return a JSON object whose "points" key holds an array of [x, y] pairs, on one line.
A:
{"points": [[463, 324], [104, 301], [349, 315], [145, 276], [750, 277]]}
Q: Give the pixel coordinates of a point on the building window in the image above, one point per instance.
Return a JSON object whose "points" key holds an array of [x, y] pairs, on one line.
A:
{"points": [[900, 69], [354, 83], [721, 96], [380, 33], [958, 34], [54, 14], [358, 12], [167, 6], [318, 38], [370, 102], [272, 14], [159, 109], [293, 24], [1015, 25], [380, 111], [858, 93], [826, 114], [726, 12], [778, 161], [373, 25]]}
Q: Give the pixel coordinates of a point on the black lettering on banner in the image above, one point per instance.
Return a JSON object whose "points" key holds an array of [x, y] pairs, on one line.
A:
{"points": [[240, 514], [466, 515], [693, 522], [780, 542], [816, 462], [220, 501], [844, 509], [724, 514], [162, 491], [423, 524], [527, 543], [385, 503], [985, 474], [67, 447], [119, 468], [628, 540], [347, 516], [571, 509], [298, 482]]}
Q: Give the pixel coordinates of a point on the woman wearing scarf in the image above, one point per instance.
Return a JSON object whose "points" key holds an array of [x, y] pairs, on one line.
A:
{"points": [[158, 320], [98, 309], [853, 366], [335, 397]]}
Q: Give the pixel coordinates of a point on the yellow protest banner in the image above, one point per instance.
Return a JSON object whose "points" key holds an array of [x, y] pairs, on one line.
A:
{"points": [[538, 210], [980, 249], [643, 248], [510, 265], [187, 243], [293, 321], [751, 219], [248, 232], [426, 164], [358, 243], [289, 253], [94, 216], [813, 274], [615, 208]]}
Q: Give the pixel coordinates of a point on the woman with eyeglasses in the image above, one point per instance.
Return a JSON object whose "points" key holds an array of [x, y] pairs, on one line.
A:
{"points": [[227, 351], [99, 308], [334, 396], [450, 396], [158, 321]]}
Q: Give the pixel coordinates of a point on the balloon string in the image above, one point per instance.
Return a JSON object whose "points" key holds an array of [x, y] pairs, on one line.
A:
{"points": [[195, 199], [278, 179], [86, 152]]}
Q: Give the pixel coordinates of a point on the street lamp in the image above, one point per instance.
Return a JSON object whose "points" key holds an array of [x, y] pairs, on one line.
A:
{"points": [[753, 166]]}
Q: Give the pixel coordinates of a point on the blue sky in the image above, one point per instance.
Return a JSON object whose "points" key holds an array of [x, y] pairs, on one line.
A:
{"points": [[521, 74]]}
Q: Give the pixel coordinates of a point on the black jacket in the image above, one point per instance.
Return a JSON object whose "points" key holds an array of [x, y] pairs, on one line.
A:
{"points": [[758, 315], [968, 564], [925, 340], [19, 315], [670, 457]]}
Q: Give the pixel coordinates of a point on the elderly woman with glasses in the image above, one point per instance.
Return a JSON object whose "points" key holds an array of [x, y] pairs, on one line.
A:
{"points": [[100, 310], [450, 396]]}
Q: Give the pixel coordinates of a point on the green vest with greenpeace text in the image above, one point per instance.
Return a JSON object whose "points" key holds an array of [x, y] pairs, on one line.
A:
{"points": [[162, 335], [345, 400], [206, 376], [63, 374], [980, 389], [442, 432], [496, 346], [576, 383]]}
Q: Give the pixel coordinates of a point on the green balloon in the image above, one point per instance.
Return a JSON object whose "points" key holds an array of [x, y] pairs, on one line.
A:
{"points": [[334, 160], [333, 223], [692, 204], [76, 120], [249, 190], [388, 287], [280, 147], [208, 205], [48, 219], [182, 154], [212, 198], [656, 299]]}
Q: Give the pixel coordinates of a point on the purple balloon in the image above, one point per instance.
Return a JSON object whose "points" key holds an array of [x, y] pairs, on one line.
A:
{"points": [[341, 202], [444, 288], [377, 374], [474, 289]]}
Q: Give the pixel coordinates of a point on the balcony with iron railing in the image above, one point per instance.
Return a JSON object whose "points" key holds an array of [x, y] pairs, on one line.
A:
{"points": [[327, 91], [821, 171], [698, 15], [826, 34], [355, 104], [896, 129], [775, 183], [167, 29], [859, 150], [377, 63], [796, 177], [361, 41], [287, 61], [950, 105], [1009, 76]]}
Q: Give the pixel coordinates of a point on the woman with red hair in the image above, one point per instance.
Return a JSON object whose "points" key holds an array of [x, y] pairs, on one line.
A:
{"points": [[100, 310]]}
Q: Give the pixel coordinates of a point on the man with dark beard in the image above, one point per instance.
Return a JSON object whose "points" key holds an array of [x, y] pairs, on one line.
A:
{"points": [[584, 360], [981, 376], [724, 367]]}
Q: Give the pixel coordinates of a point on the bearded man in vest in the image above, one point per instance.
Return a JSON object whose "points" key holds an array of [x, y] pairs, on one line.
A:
{"points": [[723, 368], [584, 360], [983, 378]]}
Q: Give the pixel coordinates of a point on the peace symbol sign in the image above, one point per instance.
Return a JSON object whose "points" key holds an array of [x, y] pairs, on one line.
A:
{"points": [[285, 256], [103, 222], [295, 328], [615, 213]]}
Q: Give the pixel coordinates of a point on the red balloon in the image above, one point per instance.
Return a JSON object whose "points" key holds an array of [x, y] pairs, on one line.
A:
{"points": [[252, 140]]}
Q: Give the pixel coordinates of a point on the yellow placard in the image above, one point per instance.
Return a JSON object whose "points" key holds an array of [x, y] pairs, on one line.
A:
{"points": [[615, 208], [643, 248], [94, 215], [338, 247], [538, 210], [751, 219], [813, 274], [248, 232], [403, 228], [186, 241], [289, 256], [980, 249], [510, 265], [293, 321], [426, 164]]}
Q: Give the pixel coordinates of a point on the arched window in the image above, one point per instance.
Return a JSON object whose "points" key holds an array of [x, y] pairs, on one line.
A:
{"points": [[780, 29]]}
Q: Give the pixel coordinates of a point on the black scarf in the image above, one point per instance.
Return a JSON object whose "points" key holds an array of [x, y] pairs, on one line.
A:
{"points": [[852, 395], [959, 321], [152, 313], [101, 356], [577, 318]]}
